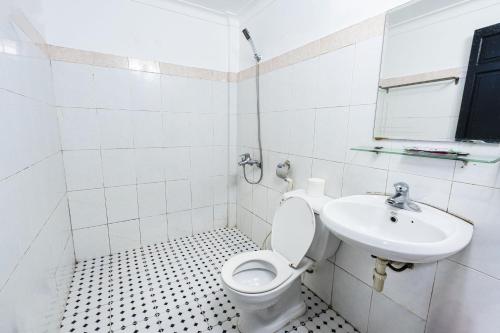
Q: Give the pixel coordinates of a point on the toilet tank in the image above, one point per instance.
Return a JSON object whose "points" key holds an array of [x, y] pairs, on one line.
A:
{"points": [[324, 243]]}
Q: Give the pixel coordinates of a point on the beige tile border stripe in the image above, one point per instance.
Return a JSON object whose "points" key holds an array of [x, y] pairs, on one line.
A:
{"points": [[369, 28], [108, 60]]}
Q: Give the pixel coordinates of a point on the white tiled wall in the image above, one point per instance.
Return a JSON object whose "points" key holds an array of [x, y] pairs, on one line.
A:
{"points": [[312, 113], [36, 256], [146, 155]]}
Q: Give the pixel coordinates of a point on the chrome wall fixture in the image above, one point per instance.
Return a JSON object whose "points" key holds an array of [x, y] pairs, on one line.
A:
{"points": [[245, 158]]}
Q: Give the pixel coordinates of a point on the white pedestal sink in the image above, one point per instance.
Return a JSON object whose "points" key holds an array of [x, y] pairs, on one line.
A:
{"points": [[366, 221]]}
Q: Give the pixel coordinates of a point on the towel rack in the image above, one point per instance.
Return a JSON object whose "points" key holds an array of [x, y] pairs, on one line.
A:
{"points": [[448, 78]]}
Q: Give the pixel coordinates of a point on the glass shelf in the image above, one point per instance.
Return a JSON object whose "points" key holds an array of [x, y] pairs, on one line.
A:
{"points": [[455, 157]]}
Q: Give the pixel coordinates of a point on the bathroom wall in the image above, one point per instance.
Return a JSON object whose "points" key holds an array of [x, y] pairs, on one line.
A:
{"points": [[37, 254], [160, 30], [146, 153], [318, 101], [278, 26]]}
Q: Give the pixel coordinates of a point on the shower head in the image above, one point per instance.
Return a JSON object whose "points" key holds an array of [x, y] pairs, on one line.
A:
{"points": [[249, 39], [246, 33]]}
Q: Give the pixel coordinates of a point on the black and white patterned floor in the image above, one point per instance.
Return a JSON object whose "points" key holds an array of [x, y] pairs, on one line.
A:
{"points": [[172, 287]]}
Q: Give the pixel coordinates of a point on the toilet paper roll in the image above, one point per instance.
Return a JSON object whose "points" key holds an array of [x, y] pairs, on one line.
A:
{"points": [[315, 187]]}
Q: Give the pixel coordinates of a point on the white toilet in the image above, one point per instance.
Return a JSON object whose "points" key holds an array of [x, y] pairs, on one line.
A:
{"points": [[265, 285]]}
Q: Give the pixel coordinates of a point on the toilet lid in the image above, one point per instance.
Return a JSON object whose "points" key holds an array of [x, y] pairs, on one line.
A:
{"points": [[293, 229]]}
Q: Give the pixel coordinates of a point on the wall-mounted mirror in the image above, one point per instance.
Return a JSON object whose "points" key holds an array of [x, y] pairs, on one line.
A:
{"points": [[425, 67]]}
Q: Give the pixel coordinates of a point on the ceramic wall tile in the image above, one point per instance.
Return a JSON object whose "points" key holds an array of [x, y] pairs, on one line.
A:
{"points": [[330, 138], [335, 77], [112, 88], [259, 205], [301, 136], [361, 120], [304, 84], [366, 71], [480, 205], [91, 242], [148, 129], [83, 169], [178, 195], [153, 229], [412, 288], [118, 167], [177, 163], [202, 192], [301, 170], [121, 203], [149, 165], [202, 219], [362, 180], [179, 224], [221, 216], [332, 173], [321, 280], [464, 300], [356, 262], [151, 199], [220, 185], [273, 202], [260, 231], [79, 128], [124, 236], [351, 298], [177, 128], [145, 91], [73, 85], [116, 128], [244, 220], [88, 208], [406, 321]]}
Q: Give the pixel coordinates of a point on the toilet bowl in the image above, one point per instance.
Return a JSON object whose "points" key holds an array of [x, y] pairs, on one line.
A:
{"points": [[265, 285], [265, 290]]}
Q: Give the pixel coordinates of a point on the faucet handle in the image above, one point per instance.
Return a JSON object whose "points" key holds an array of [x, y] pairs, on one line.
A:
{"points": [[401, 187], [245, 157]]}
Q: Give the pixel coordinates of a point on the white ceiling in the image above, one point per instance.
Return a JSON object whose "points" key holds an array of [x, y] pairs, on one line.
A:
{"points": [[233, 7]]}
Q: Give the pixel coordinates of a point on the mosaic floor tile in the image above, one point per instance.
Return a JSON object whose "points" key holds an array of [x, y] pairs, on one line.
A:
{"points": [[172, 287]]}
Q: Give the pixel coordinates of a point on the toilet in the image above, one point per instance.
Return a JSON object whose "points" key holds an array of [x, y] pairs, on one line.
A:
{"points": [[265, 285]]}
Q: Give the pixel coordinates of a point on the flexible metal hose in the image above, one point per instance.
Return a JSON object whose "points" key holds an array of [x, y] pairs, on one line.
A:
{"points": [[261, 164]]}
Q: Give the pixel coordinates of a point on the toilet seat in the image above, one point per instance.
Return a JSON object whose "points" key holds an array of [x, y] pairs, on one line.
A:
{"points": [[261, 271], [252, 262], [265, 260]]}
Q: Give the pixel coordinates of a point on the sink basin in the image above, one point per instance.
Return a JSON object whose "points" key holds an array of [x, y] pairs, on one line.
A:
{"points": [[366, 221]]}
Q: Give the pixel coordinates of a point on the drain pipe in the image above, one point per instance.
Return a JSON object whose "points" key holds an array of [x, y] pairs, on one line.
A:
{"points": [[379, 274]]}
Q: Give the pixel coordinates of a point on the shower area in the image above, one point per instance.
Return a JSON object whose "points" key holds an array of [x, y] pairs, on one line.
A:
{"points": [[112, 141]]}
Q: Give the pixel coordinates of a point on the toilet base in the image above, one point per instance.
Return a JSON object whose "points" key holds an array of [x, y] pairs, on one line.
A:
{"points": [[270, 319]]}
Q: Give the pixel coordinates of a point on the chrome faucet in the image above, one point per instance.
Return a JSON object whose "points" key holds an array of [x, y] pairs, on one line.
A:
{"points": [[245, 159], [401, 199]]}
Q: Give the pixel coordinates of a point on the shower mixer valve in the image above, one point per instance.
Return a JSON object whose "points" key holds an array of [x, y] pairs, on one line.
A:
{"points": [[245, 159]]}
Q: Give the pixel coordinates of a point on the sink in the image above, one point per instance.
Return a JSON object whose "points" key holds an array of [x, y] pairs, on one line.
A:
{"points": [[366, 221]]}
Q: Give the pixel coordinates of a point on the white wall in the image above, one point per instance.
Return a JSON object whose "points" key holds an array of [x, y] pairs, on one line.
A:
{"points": [[446, 31], [145, 155], [153, 30], [313, 113], [36, 257], [283, 25]]}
